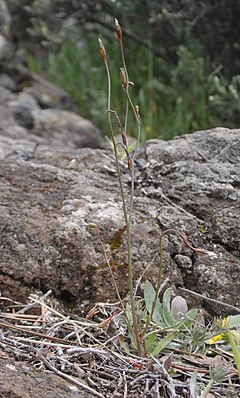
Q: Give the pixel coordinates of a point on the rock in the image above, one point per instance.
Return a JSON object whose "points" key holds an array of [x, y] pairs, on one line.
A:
{"points": [[5, 19], [5, 49], [7, 82], [51, 200], [46, 94], [23, 116], [5, 95], [25, 100], [179, 307], [19, 380], [22, 107], [200, 174], [66, 126], [7, 86]]}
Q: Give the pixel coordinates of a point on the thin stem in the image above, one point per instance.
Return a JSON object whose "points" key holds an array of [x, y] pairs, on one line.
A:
{"points": [[127, 218], [114, 143], [127, 83], [210, 300], [129, 224], [142, 275], [128, 96], [115, 286], [68, 377], [112, 275], [160, 269], [207, 389], [138, 124]]}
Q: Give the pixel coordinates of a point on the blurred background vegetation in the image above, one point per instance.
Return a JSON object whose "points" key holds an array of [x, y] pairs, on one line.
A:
{"points": [[183, 57]]}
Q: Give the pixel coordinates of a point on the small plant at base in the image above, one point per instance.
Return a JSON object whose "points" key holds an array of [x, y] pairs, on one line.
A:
{"points": [[217, 375], [127, 214], [229, 332], [138, 327]]}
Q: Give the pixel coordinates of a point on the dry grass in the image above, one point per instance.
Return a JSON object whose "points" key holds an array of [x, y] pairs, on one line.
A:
{"points": [[87, 353]]}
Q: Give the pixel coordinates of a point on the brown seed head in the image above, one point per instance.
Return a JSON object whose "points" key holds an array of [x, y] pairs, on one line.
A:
{"points": [[118, 29], [102, 50], [137, 110], [129, 163], [124, 139], [123, 77]]}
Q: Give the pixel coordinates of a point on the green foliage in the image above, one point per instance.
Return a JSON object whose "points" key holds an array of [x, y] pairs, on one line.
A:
{"points": [[188, 97], [163, 322], [184, 58], [229, 332], [149, 296], [71, 68], [217, 375], [225, 100]]}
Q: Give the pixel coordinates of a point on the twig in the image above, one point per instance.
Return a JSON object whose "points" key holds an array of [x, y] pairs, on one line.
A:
{"points": [[68, 377], [111, 273], [210, 299], [157, 388], [140, 279], [125, 385], [33, 333], [31, 305], [170, 384]]}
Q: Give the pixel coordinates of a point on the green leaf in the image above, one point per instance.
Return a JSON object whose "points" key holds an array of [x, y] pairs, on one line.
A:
{"points": [[150, 342], [124, 346], [163, 343], [167, 314], [235, 349], [149, 297], [190, 315], [133, 340], [234, 321]]}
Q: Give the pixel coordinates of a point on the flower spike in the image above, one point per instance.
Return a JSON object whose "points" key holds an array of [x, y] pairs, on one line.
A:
{"points": [[102, 50], [118, 29], [123, 77]]}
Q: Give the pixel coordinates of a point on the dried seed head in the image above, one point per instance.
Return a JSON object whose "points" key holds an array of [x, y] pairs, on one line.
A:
{"points": [[137, 110], [102, 50], [129, 163], [124, 139], [118, 29], [123, 77]]}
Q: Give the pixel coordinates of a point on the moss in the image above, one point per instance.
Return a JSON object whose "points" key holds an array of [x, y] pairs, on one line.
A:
{"points": [[202, 229], [117, 239]]}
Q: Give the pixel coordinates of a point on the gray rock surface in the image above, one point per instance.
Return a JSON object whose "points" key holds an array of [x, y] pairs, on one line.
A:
{"points": [[19, 380], [23, 115], [5, 49], [5, 19], [50, 200], [72, 129], [200, 175], [56, 183]]}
